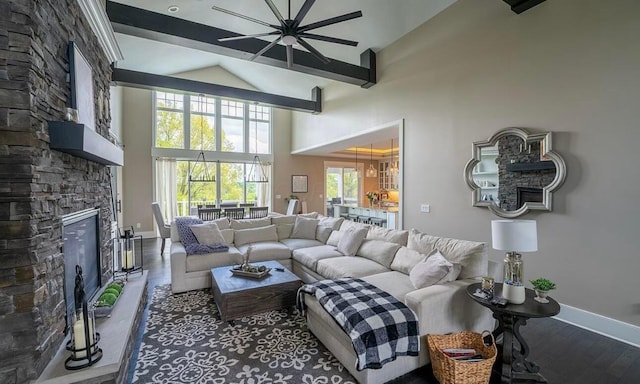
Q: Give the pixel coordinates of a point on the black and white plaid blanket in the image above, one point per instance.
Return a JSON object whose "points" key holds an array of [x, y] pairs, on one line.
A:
{"points": [[380, 327]]}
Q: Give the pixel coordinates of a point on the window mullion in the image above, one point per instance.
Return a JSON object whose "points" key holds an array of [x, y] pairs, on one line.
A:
{"points": [[186, 109]]}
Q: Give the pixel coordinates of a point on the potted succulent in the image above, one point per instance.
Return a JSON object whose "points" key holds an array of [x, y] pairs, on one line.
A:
{"points": [[542, 286]]}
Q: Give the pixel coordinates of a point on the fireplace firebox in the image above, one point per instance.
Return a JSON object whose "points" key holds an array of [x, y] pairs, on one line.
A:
{"points": [[81, 246]]}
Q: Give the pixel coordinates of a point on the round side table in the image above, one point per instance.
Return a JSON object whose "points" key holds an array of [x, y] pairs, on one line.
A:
{"points": [[511, 317]]}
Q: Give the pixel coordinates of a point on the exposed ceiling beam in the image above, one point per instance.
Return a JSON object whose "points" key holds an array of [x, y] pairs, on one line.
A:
{"points": [[135, 79], [155, 26], [519, 6]]}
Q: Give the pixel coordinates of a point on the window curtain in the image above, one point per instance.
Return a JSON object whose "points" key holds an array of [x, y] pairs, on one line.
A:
{"points": [[167, 187]]}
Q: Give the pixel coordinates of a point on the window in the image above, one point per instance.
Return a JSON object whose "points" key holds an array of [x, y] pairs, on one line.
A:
{"points": [[229, 132]]}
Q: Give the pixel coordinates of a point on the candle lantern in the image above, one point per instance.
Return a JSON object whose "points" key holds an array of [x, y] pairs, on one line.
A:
{"points": [[84, 338], [128, 256]]}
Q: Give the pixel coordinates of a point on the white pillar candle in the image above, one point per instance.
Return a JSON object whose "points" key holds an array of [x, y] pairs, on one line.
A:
{"points": [[127, 259], [79, 341]]}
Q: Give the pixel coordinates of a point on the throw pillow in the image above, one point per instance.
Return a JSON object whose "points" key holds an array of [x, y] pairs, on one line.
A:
{"points": [[207, 233], [304, 228], [334, 238], [284, 231], [406, 259], [323, 233], [255, 235], [351, 241], [434, 270], [189, 240]]}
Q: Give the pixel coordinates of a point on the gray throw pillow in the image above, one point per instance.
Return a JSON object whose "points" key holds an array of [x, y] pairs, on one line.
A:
{"points": [[304, 228], [351, 241]]}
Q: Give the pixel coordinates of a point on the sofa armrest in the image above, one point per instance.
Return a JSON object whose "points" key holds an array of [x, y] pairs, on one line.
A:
{"points": [[178, 255], [446, 308]]}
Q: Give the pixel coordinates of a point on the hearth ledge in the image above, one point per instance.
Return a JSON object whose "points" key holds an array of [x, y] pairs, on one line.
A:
{"points": [[117, 335]]}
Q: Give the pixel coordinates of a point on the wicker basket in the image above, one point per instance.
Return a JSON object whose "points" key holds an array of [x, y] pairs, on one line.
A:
{"points": [[451, 371]]}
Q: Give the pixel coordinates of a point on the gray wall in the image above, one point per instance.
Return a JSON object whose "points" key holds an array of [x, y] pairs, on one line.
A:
{"points": [[567, 66]]}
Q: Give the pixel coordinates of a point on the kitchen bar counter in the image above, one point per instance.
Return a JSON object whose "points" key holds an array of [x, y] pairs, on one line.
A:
{"points": [[388, 213]]}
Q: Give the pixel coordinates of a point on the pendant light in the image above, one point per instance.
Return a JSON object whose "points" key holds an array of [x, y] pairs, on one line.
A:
{"points": [[257, 172], [371, 171], [205, 176], [393, 169]]}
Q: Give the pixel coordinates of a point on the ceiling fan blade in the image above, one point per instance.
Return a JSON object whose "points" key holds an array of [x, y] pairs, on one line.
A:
{"points": [[275, 11], [228, 12], [333, 20], [289, 56], [329, 39], [249, 36], [266, 48], [313, 51], [303, 12]]}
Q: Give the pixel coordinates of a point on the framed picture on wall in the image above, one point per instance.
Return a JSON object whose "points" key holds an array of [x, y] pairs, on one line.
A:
{"points": [[81, 79], [299, 184]]}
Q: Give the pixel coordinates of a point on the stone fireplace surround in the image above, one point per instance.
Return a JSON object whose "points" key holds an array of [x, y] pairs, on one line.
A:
{"points": [[39, 185]]}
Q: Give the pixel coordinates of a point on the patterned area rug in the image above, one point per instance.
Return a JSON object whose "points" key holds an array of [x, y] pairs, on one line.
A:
{"points": [[185, 341]]}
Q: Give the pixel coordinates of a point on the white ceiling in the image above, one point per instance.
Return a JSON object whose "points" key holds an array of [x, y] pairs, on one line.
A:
{"points": [[382, 23]]}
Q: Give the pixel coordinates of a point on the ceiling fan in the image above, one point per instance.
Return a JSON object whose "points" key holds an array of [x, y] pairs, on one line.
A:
{"points": [[290, 31]]}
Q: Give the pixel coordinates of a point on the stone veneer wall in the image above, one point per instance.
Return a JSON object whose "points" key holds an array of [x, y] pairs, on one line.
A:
{"points": [[510, 150], [38, 185]]}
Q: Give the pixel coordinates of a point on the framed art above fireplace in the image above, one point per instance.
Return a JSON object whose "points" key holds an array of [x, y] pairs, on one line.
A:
{"points": [[81, 81]]}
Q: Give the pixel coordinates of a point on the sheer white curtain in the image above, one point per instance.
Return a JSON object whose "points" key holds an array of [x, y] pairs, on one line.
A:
{"points": [[167, 187]]}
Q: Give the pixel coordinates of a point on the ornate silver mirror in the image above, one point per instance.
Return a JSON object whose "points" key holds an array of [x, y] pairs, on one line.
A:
{"points": [[514, 172]]}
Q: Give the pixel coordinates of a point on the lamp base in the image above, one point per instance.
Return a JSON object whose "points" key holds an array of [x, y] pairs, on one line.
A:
{"points": [[513, 293]]}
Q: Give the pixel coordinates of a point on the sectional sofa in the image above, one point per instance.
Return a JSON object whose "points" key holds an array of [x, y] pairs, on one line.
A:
{"points": [[316, 247]]}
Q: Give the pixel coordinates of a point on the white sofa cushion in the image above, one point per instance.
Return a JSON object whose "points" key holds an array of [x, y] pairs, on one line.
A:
{"points": [[250, 223], [406, 259], [391, 235], [207, 261], [300, 243], [434, 270], [266, 250], [382, 252], [304, 228], [309, 256], [351, 241], [396, 283], [228, 235], [255, 235], [207, 233], [347, 224], [471, 255], [348, 266]]}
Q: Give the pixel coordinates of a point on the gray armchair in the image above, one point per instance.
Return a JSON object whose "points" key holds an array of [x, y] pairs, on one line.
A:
{"points": [[164, 228]]}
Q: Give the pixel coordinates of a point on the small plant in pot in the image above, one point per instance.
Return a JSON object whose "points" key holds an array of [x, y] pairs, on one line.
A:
{"points": [[542, 287]]}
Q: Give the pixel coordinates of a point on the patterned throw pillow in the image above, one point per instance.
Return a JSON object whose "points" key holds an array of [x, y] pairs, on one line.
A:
{"points": [[189, 240]]}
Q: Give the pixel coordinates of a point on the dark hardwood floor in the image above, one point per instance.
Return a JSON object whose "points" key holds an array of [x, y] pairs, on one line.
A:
{"points": [[565, 353]]}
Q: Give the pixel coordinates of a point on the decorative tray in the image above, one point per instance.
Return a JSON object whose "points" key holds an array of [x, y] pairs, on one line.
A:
{"points": [[252, 274]]}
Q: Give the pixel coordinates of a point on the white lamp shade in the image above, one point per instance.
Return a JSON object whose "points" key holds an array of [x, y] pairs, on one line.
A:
{"points": [[514, 235]]}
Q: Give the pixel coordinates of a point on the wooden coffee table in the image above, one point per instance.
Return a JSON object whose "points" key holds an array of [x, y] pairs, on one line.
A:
{"points": [[237, 297]]}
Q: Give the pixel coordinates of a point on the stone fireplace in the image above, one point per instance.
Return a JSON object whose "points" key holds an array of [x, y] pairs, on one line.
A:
{"points": [[38, 185]]}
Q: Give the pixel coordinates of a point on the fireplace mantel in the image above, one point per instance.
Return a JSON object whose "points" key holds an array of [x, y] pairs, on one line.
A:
{"points": [[79, 140]]}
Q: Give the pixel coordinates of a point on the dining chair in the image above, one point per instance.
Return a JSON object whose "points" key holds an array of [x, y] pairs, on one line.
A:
{"points": [[163, 227], [209, 214], [258, 212], [234, 213]]}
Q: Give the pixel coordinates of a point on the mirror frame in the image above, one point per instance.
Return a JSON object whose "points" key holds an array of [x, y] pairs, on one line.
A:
{"points": [[547, 191]]}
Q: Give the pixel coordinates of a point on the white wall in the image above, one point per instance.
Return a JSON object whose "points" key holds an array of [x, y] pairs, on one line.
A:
{"points": [[567, 66]]}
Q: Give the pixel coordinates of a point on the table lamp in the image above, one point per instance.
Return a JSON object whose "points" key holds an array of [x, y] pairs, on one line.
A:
{"points": [[514, 236]]}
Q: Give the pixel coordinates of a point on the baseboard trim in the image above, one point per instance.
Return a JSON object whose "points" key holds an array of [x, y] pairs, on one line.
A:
{"points": [[606, 326]]}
